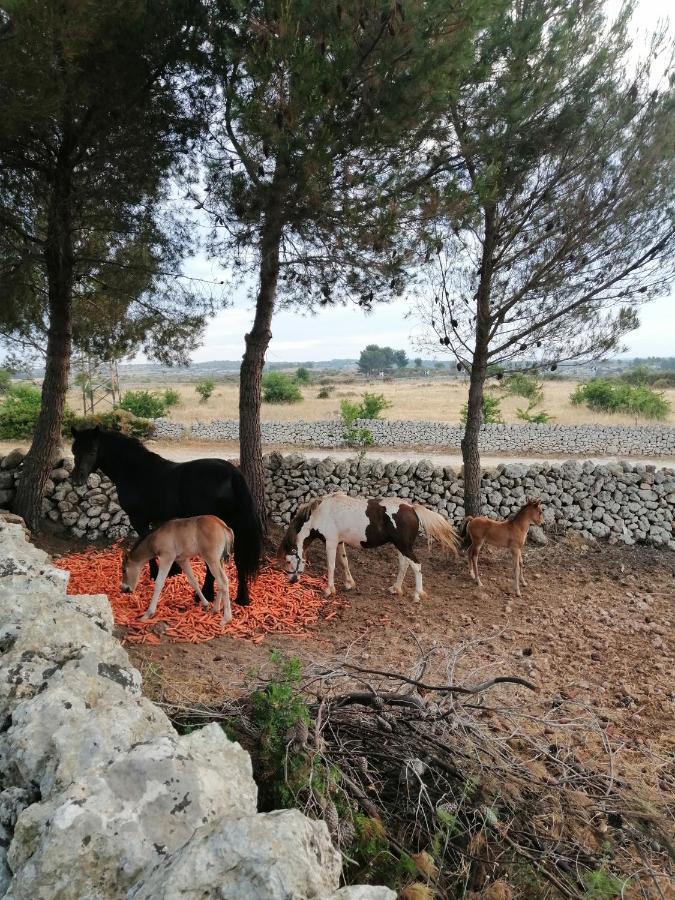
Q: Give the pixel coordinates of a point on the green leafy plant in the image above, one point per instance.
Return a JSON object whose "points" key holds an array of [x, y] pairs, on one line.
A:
{"points": [[492, 412], [541, 417], [19, 411], [205, 388], [602, 885], [280, 388], [143, 404], [302, 376], [520, 384], [604, 395], [5, 381], [171, 398], [370, 407]]}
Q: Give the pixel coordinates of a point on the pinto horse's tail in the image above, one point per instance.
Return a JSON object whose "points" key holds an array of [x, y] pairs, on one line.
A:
{"points": [[437, 527], [248, 536]]}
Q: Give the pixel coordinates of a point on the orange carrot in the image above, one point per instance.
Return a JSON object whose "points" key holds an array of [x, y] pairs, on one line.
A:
{"points": [[276, 606]]}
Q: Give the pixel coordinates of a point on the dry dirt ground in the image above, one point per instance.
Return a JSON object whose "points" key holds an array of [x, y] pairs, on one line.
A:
{"points": [[437, 399], [595, 625]]}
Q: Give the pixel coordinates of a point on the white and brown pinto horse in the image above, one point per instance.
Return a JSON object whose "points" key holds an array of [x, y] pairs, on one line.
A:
{"points": [[338, 519]]}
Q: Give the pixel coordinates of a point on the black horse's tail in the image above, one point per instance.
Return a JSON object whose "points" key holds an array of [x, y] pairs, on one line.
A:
{"points": [[248, 536]]}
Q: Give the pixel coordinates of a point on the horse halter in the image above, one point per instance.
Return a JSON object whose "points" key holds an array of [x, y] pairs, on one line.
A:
{"points": [[298, 561]]}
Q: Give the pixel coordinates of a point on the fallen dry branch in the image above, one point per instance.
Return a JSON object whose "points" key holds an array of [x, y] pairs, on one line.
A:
{"points": [[431, 784]]}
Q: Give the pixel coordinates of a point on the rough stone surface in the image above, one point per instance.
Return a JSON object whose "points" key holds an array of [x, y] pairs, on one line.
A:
{"points": [[622, 502], [266, 857], [99, 795]]}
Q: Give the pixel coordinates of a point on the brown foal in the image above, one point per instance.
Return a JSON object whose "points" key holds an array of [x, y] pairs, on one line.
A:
{"points": [[177, 541], [510, 533]]}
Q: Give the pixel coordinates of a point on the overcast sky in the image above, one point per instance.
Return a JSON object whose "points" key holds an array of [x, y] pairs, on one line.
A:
{"points": [[343, 332]]}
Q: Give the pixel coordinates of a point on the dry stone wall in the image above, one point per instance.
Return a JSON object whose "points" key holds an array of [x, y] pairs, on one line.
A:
{"points": [[626, 502], [99, 796], [575, 440]]}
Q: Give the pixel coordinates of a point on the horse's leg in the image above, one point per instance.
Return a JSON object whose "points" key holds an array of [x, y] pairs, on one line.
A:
{"points": [[190, 575], [349, 581], [515, 555], [331, 550], [522, 567], [207, 587], [403, 563], [420, 593], [164, 566], [217, 567], [475, 550]]}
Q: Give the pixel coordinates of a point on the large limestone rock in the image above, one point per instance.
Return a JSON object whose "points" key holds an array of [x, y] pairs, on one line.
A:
{"points": [[277, 856], [95, 839]]}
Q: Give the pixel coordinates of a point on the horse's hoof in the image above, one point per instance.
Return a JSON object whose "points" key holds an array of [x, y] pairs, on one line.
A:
{"points": [[242, 601], [395, 590], [329, 592], [349, 585], [422, 595]]}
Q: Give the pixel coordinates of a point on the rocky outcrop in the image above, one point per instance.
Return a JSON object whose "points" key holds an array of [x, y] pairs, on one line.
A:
{"points": [[575, 440], [625, 502], [99, 795]]}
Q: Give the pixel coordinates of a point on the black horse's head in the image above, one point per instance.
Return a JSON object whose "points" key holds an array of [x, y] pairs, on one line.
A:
{"points": [[85, 451]]}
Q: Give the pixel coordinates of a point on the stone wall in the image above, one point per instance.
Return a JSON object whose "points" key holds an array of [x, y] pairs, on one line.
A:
{"points": [[575, 440], [621, 502], [99, 795]]}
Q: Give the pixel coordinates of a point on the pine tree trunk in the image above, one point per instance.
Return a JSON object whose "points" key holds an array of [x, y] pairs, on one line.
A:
{"points": [[257, 341], [474, 417], [47, 435]]}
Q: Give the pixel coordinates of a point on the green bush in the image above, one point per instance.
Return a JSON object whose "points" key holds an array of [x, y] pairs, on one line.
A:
{"points": [[520, 384], [143, 404], [537, 418], [19, 411], [171, 398], [370, 407], [280, 388], [603, 395], [492, 412], [115, 420], [5, 381], [325, 393], [205, 388], [302, 376]]}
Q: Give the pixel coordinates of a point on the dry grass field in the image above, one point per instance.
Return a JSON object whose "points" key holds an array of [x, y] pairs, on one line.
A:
{"points": [[437, 399]]}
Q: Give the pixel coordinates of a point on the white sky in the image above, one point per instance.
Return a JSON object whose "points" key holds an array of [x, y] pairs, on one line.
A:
{"points": [[345, 331]]}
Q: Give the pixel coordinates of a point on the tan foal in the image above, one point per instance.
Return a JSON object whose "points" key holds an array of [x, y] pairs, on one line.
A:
{"points": [[510, 534], [177, 541]]}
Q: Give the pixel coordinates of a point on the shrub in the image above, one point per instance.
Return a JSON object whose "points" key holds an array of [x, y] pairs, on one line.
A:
{"points": [[302, 376], [280, 388], [205, 388], [19, 411], [492, 412], [603, 395], [372, 405], [325, 393], [171, 398], [520, 384], [537, 418], [115, 420], [143, 404], [5, 381]]}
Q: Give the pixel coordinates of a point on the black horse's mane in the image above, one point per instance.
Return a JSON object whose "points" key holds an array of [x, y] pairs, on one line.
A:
{"points": [[126, 440]]}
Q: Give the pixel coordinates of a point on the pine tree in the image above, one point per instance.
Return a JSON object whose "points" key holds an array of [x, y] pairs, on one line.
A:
{"points": [[566, 221], [93, 121], [319, 154]]}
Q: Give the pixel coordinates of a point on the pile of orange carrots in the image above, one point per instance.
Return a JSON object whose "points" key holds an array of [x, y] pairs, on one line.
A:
{"points": [[276, 605]]}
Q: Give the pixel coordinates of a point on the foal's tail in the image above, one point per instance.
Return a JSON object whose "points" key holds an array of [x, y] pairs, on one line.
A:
{"points": [[464, 533], [437, 527], [248, 536]]}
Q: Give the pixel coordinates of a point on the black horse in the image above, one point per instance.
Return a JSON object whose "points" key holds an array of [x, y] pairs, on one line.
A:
{"points": [[152, 490]]}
